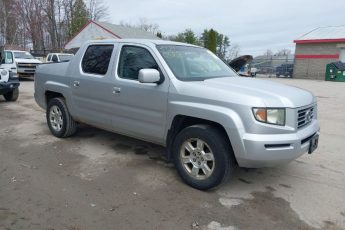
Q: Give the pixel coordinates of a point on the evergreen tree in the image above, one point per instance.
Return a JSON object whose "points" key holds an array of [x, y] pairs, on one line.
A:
{"points": [[212, 41], [216, 42], [79, 17], [159, 34], [188, 36]]}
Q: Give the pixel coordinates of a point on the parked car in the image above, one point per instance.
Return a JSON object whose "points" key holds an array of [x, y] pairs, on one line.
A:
{"points": [[59, 57], [21, 63], [9, 85], [182, 97], [242, 66], [285, 70]]}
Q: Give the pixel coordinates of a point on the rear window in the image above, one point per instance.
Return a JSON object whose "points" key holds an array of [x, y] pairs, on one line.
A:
{"points": [[96, 59]]}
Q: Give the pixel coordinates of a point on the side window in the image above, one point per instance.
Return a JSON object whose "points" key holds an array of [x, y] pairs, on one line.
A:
{"points": [[49, 57], [55, 58], [8, 58], [96, 59], [133, 59]]}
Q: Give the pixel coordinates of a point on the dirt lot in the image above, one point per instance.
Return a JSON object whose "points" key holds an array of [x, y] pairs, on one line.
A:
{"points": [[100, 180]]}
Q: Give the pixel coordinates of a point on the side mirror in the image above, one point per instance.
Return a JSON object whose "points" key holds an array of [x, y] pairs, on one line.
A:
{"points": [[149, 76]]}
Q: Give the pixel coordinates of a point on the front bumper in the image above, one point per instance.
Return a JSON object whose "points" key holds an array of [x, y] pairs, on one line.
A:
{"points": [[271, 150], [6, 87]]}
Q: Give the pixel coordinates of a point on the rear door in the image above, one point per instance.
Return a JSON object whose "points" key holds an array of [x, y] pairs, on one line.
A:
{"points": [[139, 109], [92, 86]]}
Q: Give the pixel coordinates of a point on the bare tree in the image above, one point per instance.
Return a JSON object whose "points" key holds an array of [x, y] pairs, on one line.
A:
{"points": [[283, 52], [233, 52], [49, 10], [8, 22], [268, 53], [98, 10], [143, 24], [32, 11]]}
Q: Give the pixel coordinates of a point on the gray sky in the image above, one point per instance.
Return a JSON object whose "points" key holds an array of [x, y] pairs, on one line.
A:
{"points": [[255, 25]]}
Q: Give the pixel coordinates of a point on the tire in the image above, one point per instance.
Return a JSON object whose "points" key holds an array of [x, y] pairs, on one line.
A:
{"points": [[12, 96], [186, 162], [59, 120]]}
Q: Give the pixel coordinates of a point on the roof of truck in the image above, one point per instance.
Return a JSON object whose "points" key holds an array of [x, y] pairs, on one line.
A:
{"points": [[141, 41], [60, 54]]}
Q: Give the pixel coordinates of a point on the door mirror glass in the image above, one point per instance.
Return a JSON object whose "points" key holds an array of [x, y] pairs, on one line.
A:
{"points": [[149, 76]]}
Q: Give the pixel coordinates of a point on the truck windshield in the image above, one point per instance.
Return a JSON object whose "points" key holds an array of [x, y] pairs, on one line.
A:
{"points": [[23, 55], [194, 63]]}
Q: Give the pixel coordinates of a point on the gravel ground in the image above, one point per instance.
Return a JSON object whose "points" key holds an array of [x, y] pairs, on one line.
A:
{"points": [[101, 180]]}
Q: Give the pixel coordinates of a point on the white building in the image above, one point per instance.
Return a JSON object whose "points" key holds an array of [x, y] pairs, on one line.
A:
{"points": [[101, 30]]}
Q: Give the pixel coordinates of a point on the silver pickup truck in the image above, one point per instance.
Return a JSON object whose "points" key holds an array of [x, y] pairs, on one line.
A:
{"points": [[184, 98]]}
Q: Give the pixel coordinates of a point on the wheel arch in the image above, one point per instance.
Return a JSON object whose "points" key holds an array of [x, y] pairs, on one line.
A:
{"points": [[52, 94], [179, 122]]}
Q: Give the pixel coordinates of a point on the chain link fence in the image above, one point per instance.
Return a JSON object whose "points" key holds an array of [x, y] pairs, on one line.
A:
{"points": [[274, 65]]}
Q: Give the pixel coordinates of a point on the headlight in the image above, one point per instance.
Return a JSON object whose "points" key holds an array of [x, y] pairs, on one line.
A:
{"points": [[4, 72], [270, 115]]}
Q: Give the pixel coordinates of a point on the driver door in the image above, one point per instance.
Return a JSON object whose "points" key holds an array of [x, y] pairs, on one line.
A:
{"points": [[140, 109]]}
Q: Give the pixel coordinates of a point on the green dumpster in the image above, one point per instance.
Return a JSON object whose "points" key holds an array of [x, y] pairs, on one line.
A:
{"points": [[335, 71]]}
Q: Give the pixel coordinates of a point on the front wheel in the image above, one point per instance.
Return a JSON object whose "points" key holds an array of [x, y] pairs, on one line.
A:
{"points": [[202, 156], [12, 96], [60, 122]]}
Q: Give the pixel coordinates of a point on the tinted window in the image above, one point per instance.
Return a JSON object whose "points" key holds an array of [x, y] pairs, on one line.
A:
{"points": [[55, 59], [96, 59], [132, 60]]}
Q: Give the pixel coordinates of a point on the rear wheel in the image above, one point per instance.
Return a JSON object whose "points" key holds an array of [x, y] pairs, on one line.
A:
{"points": [[12, 96], [60, 122], [202, 156]]}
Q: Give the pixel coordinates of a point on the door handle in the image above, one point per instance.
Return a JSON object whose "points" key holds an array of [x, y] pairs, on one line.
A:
{"points": [[76, 83], [116, 90]]}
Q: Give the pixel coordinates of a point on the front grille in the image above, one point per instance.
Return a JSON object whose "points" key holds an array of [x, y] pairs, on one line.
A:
{"points": [[305, 116], [27, 65]]}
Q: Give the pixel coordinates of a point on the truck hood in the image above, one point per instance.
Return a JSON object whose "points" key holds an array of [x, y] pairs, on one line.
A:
{"points": [[35, 61], [257, 92]]}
